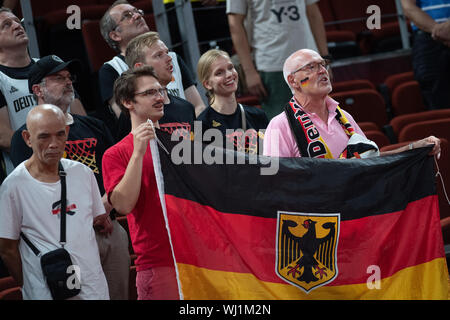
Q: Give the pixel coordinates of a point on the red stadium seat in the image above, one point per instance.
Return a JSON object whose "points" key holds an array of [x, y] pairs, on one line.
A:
{"points": [[444, 167], [399, 122], [418, 130], [97, 49], [352, 85], [363, 105], [248, 100], [368, 126], [150, 19], [327, 14], [394, 80], [441, 129], [407, 98], [378, 137]]}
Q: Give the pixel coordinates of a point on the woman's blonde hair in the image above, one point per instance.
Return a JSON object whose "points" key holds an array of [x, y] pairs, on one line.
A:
{"points": [[204, 68]]}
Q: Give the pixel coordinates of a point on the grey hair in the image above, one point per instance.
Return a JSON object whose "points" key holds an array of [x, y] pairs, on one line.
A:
{"points": [[107, 24], [5, 9]]}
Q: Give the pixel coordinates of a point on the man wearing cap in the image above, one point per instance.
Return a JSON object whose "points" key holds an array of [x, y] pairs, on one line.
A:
{"points": [[15, 99], [50, 80]]}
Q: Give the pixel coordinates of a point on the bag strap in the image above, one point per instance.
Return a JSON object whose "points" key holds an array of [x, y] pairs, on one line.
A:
{"points": [[243, 118], [30, 244], [62, 176]]}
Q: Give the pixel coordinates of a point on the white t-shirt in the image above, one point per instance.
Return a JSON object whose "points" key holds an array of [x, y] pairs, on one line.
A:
{"points": [[279, 27], [33, 207]]}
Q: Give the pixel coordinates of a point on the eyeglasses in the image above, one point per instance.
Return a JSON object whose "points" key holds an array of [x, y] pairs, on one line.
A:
{"points": [[152, 92], [127, 15], [313, 67], [61, 78]]}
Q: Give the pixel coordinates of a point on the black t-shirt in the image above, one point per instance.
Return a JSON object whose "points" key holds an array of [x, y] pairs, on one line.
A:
{"points": [[87, 142], [179, 113], [16, 73], [255, 119]]}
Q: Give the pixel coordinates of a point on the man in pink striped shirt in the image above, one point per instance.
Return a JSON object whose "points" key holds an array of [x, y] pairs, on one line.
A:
{"points": [[312, 124]]}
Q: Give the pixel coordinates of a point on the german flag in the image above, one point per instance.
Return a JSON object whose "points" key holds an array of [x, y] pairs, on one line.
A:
{"points": [[317, 229]]}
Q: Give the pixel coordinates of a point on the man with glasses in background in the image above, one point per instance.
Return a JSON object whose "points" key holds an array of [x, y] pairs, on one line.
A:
{"points": [[131, 185], [50, 80], [15, 99], [119, 25], [312, 124]]}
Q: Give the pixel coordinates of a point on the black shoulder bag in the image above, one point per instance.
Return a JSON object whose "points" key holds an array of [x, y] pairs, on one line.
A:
{"points": [[56, 264]]}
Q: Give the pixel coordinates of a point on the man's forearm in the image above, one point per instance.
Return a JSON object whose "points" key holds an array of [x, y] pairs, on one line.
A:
{"points": [[421, 19], [11, 258], [240, 42], [317, 28], [125, 195]]}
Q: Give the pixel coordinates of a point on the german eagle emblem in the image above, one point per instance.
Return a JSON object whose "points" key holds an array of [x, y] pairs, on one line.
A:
{"points": [[307, 246]]}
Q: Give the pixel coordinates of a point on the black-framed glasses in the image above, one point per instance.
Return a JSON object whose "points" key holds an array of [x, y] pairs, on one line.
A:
{"points": [[313, 67], [152, 92]]}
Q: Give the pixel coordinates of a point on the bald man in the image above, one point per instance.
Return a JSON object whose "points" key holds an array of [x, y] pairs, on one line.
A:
{"points": [[30, 199], [312, 124], [50, 80]]}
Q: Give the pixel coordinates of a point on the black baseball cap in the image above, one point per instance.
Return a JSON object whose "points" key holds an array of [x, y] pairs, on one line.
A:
{"points": [[50, 65]]}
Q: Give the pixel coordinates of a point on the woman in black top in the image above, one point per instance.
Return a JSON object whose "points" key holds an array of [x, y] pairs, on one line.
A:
{"points": [[219, 77]]}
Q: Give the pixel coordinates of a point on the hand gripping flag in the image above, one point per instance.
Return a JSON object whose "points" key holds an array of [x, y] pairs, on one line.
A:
{"points": [[317, 229]]}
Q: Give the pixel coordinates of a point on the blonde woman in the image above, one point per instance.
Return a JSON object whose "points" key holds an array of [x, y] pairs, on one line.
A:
{"points": [[219, 77]]}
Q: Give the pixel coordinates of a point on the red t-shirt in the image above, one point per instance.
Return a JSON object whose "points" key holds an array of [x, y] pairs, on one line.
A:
{"points": [[146, 221]]}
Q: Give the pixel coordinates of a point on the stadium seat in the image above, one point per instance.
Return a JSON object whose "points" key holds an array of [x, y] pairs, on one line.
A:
{"points": [[150, 19], [407, 98], [441, 129], [378, 137], [248, 100], [97, 49], [399, 122], [418, 130], [341, 43], [363, 105], [394, 80], [390, 83], [368, 125], [352, 85], [444, 167]]}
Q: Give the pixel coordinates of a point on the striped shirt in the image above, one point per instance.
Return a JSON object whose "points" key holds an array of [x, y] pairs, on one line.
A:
{"points": [[439, 10]]}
